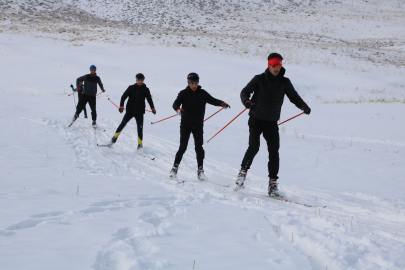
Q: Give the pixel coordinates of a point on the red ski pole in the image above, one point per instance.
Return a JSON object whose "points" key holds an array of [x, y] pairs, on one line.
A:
{"points": [[291, 118], [112, 102], [99, 93], [213, 114], [226, 125], [164, 119]]}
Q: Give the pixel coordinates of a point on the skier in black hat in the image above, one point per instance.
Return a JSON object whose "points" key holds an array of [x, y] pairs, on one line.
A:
{"points": [[135, 107], [190, 105]]}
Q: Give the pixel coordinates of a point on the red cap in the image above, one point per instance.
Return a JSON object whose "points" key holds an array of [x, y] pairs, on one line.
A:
{"points": [[275, 60]]}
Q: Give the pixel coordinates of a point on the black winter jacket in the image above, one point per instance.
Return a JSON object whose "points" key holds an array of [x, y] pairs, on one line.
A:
{"points": [[90, 82], [193, 104], [136, 101], [268, 95]]}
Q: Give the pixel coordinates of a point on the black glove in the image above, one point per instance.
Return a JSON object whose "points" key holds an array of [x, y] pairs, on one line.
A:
{"points": [[306, 109], [71, 85], [225, 105], [154, 111], [248, 104], [121, 109], [179, 112]]}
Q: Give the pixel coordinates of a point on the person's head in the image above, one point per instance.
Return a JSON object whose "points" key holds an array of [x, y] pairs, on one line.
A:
{"points": [[193, 80], [93, 69], [275, 62], [139, 79]]}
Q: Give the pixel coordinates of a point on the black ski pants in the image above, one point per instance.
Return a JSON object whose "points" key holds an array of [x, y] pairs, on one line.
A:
{"points": [[80, 95], [185, 132], [82, 105], [139, 123], [272, 137]]}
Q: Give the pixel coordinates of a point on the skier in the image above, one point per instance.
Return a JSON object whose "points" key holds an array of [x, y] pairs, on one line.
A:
{"points": [[80, 95], [192, 101], [135, 107], [268, 91], [89, 93]]}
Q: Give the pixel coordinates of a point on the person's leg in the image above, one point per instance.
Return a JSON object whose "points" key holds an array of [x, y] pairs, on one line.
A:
{"points": [[139, 124], [255, 131], [184, 137], [198, 134], [80, 95], [125, 120], [271, 135], [81, 104], [92, 104]]}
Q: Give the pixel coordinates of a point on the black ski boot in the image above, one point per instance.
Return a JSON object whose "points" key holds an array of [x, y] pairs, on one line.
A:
{"points": [[173, 172], [273, 189], [200, 174], [75, 117], [113, 140], [241, 177], [139, 147], [94, 123]]}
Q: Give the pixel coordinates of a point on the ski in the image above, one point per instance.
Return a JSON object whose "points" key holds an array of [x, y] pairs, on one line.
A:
{"points": [[105, 145], [280, 198], [71, 123], [102, 130], [145, 156]]}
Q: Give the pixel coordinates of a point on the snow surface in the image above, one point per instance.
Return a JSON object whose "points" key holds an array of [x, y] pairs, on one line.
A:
{"points": [[67, 204]]}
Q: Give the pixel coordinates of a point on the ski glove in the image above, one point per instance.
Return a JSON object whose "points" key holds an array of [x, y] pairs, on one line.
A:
{"points": [[153, 111], [248, 104], [225, 105], [121, 109], [306, 109], [178, 111]]}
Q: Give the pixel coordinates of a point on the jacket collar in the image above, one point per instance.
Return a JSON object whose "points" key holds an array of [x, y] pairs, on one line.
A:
{"points": [[271, 77], [189, 89]]}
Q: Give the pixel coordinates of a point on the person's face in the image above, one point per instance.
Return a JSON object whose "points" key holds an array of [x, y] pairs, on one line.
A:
{"points": [[193, 85], [93, 71], [139, 82], [274, 70]]}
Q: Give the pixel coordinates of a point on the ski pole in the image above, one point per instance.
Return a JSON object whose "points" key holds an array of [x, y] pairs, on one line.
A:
{"points": [[118, 107], [72, 90], [112, 102], [227, 125], [99, 93], [75, 101], [213, 114], [290, 118], [164, 119]]}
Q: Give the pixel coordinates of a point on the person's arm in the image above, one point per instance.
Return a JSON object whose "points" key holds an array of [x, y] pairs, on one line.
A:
{"points": [[149, 99], [177, 103], [78, 80], [124, 96], [293, 96], [213, 101], [247, 91], [100, 84]]}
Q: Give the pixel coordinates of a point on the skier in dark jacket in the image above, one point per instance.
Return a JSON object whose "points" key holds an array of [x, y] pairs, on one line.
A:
{"points": [[268, 91], [190, 105], [89, 93], [135, 107]]}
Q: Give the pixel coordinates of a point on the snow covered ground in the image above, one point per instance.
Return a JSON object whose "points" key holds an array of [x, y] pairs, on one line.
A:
{"points": [[67, 204]]}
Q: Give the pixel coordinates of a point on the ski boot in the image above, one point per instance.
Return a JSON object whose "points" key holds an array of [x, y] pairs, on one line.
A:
{"points": [[75, 117], [94, 124], [85, 115], [200, 174], [241, 177], [113, 140], [173, 172], [139, 147], [273, 189]]}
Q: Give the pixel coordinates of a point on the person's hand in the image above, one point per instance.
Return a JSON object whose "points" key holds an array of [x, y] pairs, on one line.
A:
{"points": [[178, 111], [225, 105], [248, 104], [121, 109], [103, 90], [306, 109], [154, 111], [79, 88]]}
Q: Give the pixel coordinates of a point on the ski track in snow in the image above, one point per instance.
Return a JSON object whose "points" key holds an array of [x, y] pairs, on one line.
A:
{"points": [[350, 223]]}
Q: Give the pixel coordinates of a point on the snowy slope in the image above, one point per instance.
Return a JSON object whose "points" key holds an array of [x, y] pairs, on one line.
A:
{"points": [[68, 204]]}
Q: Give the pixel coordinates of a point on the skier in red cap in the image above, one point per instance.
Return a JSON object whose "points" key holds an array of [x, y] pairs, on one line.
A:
{"points": [[268, 91]]}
